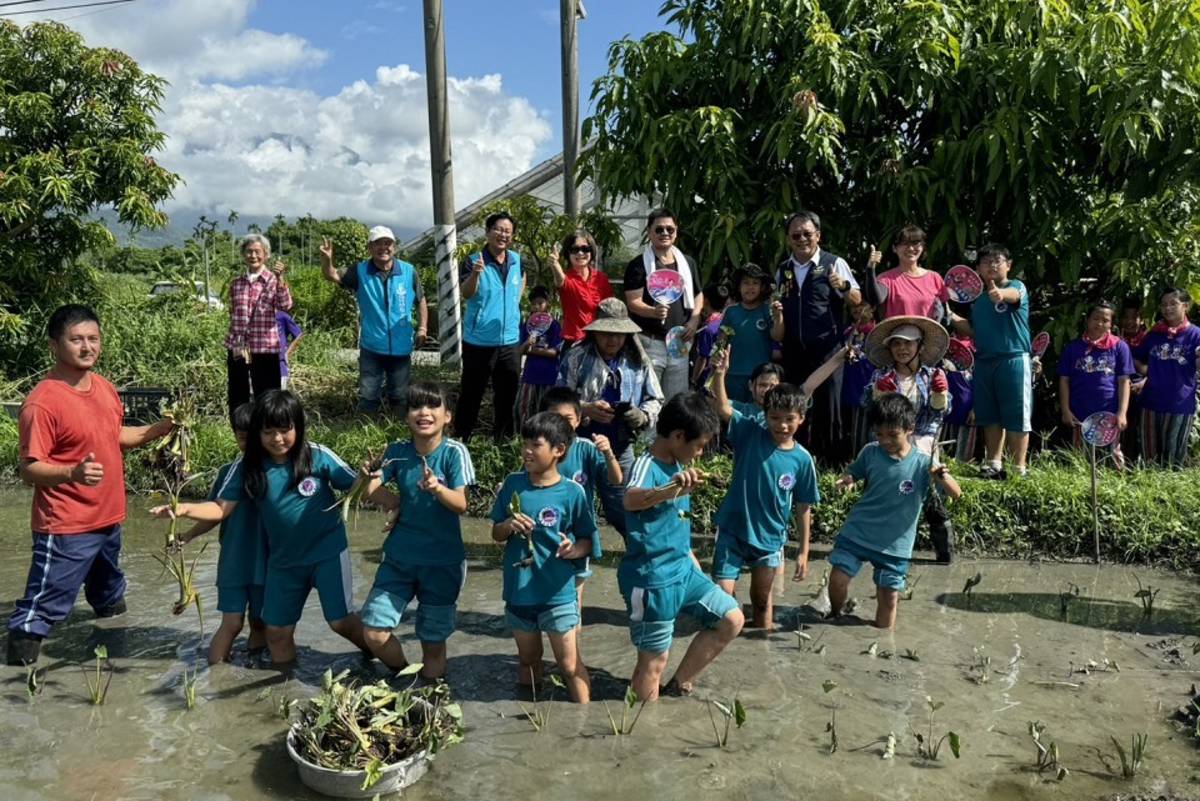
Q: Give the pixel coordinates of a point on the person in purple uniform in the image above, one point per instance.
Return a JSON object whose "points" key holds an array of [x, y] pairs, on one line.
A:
{"points": [[1093, 376], [541, 344], [1168, 358], [290, 335]]}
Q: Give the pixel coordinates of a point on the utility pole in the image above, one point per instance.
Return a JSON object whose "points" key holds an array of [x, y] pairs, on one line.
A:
{"points": [[445, 236], [570, 12]]}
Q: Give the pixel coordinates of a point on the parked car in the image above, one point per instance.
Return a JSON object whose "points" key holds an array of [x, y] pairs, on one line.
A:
{"points": [[161, 288]]}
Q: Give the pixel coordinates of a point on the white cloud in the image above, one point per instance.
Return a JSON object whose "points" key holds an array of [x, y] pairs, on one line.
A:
{"points": [[266, 149]]}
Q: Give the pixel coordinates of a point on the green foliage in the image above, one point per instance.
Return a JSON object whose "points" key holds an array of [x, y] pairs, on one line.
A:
{"points": [[1064, 129], [627, 723], [928, 747], [99, 679], [733, 713], [1131, 760]]}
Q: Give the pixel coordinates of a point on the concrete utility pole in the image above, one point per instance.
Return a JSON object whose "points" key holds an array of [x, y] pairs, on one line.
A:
{"points": [[445, 236], [570, 12]]}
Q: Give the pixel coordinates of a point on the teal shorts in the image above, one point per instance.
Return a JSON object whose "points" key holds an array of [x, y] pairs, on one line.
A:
{"points": [[731, 556], [288, 587], [1002, 391], [235, 599], [653, 610], [436, 588], [550, 618], [848, 557]]}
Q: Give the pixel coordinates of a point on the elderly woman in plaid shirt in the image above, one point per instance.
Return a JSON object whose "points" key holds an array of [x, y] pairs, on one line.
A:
{"points": [[253, 340]]}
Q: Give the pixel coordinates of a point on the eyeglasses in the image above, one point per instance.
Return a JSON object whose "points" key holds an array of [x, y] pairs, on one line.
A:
{"points": [[664, 230], [501, 232], [580, 250], [801, 235]]}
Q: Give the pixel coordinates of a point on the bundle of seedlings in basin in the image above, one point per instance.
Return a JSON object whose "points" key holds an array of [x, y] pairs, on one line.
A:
{"points": [[734, 714], [928, 747], [627, 723], [352, 727], [98, 680]]}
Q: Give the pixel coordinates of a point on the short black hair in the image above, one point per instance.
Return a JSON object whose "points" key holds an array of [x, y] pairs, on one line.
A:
{"points": [[660, 213], [549, 426], [785, 398], [716, 296], [1133, 303], [539, 292], [768, 368], [66, 316], [240, 419], [892, 410], [561, 396], [1100, 305], [993, 249], [496, 217], [689, 412], [806, 216], [1180, 294], [425, 393]]}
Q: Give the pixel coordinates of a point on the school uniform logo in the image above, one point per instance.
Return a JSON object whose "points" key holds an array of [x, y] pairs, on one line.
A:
{"points": [[308, 487], [580, 478], [1001, 308], [761, 325], [906, 487], [548, 517], [1166, 352], [1097, 363], [786, 482]]}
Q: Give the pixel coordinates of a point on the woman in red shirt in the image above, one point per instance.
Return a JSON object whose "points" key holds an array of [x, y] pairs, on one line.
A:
{"points": [[581, 287]]}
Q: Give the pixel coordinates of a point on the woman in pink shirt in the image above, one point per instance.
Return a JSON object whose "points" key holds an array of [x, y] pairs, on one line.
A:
{"points": [[581, 287], [908, 289]]}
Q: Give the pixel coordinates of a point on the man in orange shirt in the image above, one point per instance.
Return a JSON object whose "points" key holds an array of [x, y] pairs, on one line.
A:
{"points": [[71, 439]]}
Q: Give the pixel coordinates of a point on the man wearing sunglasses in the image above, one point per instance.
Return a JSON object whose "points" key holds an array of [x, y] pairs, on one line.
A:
{"points": [[656, 319]]}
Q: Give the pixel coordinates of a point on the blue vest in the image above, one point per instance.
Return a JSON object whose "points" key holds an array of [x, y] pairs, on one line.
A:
{"points": [[814, 309], [385, 308], [493, 315]]}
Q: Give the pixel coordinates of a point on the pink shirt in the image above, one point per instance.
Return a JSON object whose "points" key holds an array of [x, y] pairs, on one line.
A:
{"points": [[910, 295]]}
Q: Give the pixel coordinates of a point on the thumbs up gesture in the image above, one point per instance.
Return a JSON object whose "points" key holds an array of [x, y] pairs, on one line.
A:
{"points": [[88, 472], [875, 257], [995, 294]]}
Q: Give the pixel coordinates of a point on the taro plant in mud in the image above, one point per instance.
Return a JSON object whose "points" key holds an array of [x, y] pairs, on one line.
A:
{"points": [[627, 706], [969, 588], [981, 665], [1065, 597], [98, 680], [831, 727], [1131, 761], [189, 686], [927, 747], [1047, 756], [539, 715], [734, 715], [34, 680], [806, 643], [1146, 595]]}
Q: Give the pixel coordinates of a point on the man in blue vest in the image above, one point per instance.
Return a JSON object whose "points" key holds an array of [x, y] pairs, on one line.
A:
{"points": [[492, 283], [816, 288], [386, 290]]}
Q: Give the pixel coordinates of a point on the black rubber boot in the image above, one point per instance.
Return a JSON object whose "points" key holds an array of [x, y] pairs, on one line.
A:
{"points": [[23, 649], [941, 530], [118, 608]]}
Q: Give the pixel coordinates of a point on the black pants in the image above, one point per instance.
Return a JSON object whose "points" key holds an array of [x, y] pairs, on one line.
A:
{"points": [[502, 367], [820, 434], [262, 373]]}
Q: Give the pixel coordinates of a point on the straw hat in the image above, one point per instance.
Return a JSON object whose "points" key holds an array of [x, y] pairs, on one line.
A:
{"points": [[915, 328], [612, 318]]}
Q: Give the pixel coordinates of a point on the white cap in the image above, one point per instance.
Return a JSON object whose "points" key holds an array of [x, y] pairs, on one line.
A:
{"points": [[380, 232], [907, 332]]}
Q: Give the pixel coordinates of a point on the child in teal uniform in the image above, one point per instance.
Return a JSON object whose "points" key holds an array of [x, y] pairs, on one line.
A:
{"points": [[882, 525], [772, 473], [291, 483], [554, 525], [755, 322], [242, 563], [587, 463], [659, 576], [424, 482]]}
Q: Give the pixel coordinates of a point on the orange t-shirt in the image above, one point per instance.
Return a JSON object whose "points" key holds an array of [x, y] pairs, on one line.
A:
{"points": [[61, 425]]}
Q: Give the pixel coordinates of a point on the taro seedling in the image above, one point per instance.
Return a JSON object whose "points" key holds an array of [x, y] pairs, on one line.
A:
{"points": [[907, 595], [97, 682], [627, 706], [889, 747], [969, 587], [831, 727], [807, 644], [734, 714], [872, 649], [911, 655], [1065, 598], [1146, 595], [927, 747], [1047, 757], [981, 666], [189, 686], [1131, 761], [174, 558], [539, 715], [34, 679]]}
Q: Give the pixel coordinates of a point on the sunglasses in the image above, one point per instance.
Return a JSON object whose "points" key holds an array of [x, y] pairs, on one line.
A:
{"points": [[580, 250], [664, 230], [800, 235]]}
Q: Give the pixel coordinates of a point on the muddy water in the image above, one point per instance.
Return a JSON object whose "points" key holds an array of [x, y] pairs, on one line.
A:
{"points": [[143, 744]]}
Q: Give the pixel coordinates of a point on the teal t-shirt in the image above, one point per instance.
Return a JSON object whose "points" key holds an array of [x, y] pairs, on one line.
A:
{"points": [[426, 533], [750, 410], [1001, 329], [658, 545], [751, 343], [584, 464], [885, 518], [243, 557], [303, 521], [561, 507], [766, 481]]}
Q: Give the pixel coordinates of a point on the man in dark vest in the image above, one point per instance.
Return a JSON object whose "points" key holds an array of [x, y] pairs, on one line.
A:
{"points": [[816, 288]]}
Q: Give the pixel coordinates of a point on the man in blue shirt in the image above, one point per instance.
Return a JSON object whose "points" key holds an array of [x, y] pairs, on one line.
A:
{"points": [[387, 291]]}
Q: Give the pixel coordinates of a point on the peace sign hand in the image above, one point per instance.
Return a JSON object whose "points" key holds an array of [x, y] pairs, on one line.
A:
{"points": [[326, 250]]}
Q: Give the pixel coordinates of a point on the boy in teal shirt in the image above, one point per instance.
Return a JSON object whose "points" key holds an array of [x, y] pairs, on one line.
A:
{"points": [[241, 565], [882, 526], [423, 555], [659, 576], [755, 322], [772, 473], [545, 523], [1002, 386]]}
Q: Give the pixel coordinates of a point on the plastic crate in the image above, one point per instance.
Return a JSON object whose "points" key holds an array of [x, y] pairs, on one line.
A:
{"points": [[143, 404]]}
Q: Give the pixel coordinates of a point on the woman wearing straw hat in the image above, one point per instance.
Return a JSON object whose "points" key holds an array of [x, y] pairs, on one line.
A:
{"points": [[906, 352], [618, 388]]}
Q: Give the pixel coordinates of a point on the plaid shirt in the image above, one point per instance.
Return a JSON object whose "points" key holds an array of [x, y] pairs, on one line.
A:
{"points": [[253, 303]]}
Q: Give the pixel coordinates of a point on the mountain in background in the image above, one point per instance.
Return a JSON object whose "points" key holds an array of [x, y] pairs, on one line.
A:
{"points": [[183, 221]]}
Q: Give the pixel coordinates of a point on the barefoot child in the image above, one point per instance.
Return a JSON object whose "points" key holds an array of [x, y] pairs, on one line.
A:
{"points": [[659, 576], [1093, 376], [424, 481], [1168, 357], [545, 523], [755, 323], [242, 564], [882, 525], [291, 483], [588, 463]]}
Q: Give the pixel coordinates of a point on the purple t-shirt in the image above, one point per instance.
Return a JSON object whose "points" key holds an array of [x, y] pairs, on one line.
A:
{"points": [[1093, 376], [288, 331], [1171, 380], [855, 378], [706, 337], [541, 371], [962, 401]]}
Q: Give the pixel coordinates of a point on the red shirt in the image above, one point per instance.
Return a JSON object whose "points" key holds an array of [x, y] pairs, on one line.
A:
{"points": [[580, 299], [253, 303], [61, 425]]}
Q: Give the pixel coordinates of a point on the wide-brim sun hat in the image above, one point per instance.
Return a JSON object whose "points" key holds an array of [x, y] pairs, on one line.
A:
{"points": [[612, 318], [934, 339]]}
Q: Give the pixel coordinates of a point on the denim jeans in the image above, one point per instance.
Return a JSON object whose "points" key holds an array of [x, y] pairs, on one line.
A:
{"points": [[672, 373], [377, 371]]}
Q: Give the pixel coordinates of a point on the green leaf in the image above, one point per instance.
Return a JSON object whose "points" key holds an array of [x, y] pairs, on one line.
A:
{"points": [[739, 713], [954, 744], [829, 685], [410, 669]]}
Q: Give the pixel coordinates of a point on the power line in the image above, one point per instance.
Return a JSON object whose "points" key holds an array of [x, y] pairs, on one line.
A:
{"points": [[21, 2], [58, 8]]}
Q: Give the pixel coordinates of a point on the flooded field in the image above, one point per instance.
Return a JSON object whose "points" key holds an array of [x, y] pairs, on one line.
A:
{"points": [[998, 659]]}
